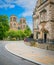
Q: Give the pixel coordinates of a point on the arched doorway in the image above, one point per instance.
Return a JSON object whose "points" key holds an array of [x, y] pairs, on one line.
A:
{"points": [[44, 33], [45, 37]]}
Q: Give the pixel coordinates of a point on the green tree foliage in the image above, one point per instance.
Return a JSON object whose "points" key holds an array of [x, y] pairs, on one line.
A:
{"points": [[12, 34], [20, 34], [27, 31], [4, 26], [16, 35]]}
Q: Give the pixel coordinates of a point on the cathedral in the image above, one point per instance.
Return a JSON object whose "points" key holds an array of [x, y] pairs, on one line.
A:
{"points": [[43, 21], [15, 25]]}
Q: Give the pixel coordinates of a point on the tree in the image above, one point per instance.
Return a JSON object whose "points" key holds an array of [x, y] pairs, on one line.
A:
{"points": [[27, 31], [12, 34], [4, 26], [21, 34], [16, 35]]}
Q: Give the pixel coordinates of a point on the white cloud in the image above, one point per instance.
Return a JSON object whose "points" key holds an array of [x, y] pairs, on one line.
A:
{"points": [[5, 6], [12, 6], [27, 13], [28, 5]]}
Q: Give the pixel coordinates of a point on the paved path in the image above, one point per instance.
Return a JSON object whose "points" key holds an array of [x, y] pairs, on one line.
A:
{"points": [[41, 56], [6, 58]]}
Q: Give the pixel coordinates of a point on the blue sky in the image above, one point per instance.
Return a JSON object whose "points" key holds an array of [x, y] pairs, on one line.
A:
{"points": [[20, 8]]}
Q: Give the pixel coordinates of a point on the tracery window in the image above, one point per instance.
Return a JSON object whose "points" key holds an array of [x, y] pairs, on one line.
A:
{"points": [[14, 19], [43, 15], [23, 21], [14, 25]]}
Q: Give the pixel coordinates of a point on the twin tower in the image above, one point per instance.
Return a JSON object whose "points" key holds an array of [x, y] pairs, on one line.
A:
{"points": [[15, 25]]}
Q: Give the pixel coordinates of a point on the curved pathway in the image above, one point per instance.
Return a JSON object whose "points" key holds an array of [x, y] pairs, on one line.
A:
{"points": [[37, 55], [6, 58]]}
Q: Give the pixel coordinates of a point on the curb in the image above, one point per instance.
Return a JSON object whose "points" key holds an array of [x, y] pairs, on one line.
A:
{"points": [[18, 55]]}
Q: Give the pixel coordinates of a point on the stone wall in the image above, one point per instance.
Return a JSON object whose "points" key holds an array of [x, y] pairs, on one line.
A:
{"points": [[50, 27], [41, 46], [46, 46], [34, 34], [52, 0], [52, 11]]}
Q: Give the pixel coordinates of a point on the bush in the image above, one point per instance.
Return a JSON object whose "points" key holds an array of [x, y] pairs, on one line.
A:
{"points": [[32, 43], [13, 39]]}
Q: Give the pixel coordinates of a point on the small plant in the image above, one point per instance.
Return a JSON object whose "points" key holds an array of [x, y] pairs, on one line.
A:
{"points": [[32, 43]]}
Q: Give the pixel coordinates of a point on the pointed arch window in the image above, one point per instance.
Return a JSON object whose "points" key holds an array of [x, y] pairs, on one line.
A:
{"points": [[43, 15]]}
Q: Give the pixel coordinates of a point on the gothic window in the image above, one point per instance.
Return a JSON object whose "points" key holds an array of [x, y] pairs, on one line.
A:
{"points": [[14, 25], [23, 26], [18, 28], [37, 35], [43, 15], [23, 21], [14, 19], [20, 21]]}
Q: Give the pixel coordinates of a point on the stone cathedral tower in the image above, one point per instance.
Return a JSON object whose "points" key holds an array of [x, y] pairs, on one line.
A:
{"points": [[13, 23]]}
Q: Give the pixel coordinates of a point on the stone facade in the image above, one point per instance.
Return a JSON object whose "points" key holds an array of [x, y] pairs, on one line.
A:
{"points": [[43, 21], [45, 46], [23, 23], [14, 25]]}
